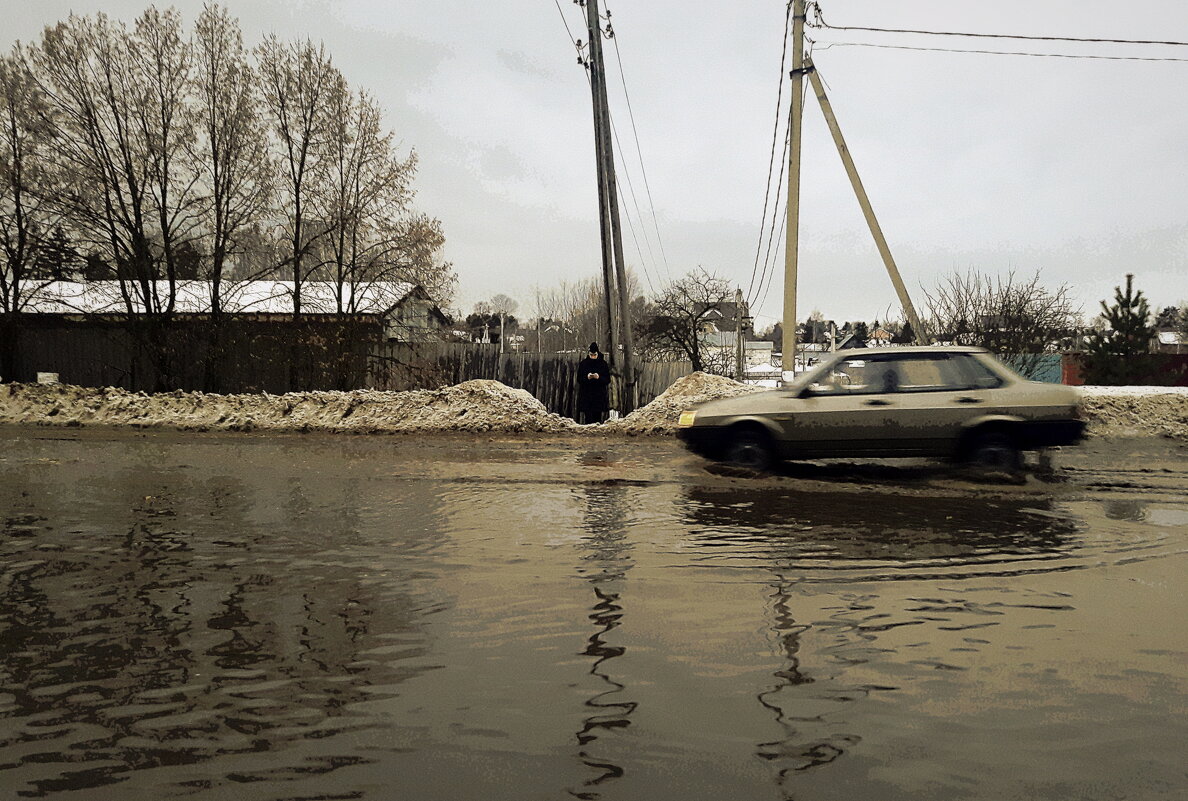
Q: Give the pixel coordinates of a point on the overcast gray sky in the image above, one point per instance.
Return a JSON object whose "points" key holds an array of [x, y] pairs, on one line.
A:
{"points": [[1075, 167]]}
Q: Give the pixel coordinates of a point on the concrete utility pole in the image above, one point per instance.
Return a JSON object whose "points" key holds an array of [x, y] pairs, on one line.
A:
{"points": [[613, 264], [864, 201], [792, 236]]}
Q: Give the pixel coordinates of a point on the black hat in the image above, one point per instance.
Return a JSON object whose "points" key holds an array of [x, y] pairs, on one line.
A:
{"points": [[594, 348]]}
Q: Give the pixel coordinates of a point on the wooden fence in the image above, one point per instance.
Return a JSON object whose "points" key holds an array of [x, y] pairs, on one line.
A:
{"points": [[241, 354], [550, 377]]}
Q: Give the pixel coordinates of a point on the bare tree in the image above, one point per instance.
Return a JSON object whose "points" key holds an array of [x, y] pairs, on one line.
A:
{"points": [[230, 153], [297, 80], [116, 110], [680, 315], [24, 215], [25, 218], [1017, 319], [374, 242]]}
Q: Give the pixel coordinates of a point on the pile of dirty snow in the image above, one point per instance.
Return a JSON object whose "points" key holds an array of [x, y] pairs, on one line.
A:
{"points": [[1136, 411], [475, 406], [661, 415], [471, 406]]}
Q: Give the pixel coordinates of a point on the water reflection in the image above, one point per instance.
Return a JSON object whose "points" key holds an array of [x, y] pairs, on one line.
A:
{"points": [[606, 554], [141, 637], [832, 532]]}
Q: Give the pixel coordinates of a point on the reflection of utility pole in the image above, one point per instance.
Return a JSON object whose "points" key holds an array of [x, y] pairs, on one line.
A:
{"points": [[614, 274]]}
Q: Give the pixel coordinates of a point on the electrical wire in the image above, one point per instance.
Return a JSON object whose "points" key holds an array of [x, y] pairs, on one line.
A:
{"points": [[771, 256], [623, 202], [818, 21], [565, 22], [618, 188], [622, 199], [775, 136], [781, 213], [642, 168], [828, 45]]}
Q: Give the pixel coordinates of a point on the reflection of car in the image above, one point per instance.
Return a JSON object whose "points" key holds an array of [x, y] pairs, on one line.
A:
{"points": [[927, 401]]}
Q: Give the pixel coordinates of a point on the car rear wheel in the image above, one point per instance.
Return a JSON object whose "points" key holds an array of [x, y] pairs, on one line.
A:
{"points": [[995, 450], [750, 448]]}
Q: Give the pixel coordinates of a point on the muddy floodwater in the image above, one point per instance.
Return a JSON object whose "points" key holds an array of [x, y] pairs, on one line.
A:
{"points": [[211, 616]]}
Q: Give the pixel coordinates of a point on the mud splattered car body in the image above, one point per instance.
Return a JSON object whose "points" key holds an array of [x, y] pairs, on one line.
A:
{"points": [[921, 401]]}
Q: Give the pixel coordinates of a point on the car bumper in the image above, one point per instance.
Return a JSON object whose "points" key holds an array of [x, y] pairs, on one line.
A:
{"points": [[1049, 433], [709, 441]]}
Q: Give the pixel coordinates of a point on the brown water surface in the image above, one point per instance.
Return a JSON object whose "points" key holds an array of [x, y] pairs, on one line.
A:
{"points": [[286, 617]]}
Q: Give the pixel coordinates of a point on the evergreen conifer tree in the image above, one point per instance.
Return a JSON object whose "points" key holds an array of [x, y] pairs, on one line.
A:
{"points": [[1121, 352]]}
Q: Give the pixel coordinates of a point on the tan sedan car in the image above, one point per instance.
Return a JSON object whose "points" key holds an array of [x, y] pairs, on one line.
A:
{"points": [[923, 401]]}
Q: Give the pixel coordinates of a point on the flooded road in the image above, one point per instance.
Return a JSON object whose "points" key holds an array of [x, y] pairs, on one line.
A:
{"points": [[456, 617]]}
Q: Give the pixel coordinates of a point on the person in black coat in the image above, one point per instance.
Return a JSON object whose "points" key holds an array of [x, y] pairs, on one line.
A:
{"points": [[593, 380]]}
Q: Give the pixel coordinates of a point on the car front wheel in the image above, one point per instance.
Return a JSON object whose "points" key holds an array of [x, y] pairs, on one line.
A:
{"points": [[751, 448]]}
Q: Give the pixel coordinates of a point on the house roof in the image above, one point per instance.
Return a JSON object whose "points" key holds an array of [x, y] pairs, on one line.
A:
{"points": [[254, 297]]}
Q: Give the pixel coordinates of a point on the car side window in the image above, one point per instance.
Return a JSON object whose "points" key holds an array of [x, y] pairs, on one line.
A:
{"points": [[931, 373], [975, 374]]}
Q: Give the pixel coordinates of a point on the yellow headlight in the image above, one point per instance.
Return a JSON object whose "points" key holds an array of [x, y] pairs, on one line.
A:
{"points": [[687, 419]]}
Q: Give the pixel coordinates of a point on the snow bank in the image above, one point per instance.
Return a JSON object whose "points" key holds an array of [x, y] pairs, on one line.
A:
{"points": [[474, 406], [1136, 411], [661, 415], [470, 406]]}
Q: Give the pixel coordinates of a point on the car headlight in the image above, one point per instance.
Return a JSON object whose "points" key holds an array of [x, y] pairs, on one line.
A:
{"points": [[687, 419]]}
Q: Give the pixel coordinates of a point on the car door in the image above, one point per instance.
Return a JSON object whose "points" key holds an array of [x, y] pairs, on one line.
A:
{"points": [[842, 415], [935, 396]]}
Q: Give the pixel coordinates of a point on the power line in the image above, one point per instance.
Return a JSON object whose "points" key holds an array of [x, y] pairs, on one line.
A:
{"points": [[639, 152], [775, 136], [618, 145], [827, 45], [819, 22], [566, 22], [780, 213], [770, 256], [638, 213]]}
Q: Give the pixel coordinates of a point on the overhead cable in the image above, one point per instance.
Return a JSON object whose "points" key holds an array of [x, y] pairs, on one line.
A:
{"points": [[827, 45], [642, 168], [818, 21], [775, 137]]}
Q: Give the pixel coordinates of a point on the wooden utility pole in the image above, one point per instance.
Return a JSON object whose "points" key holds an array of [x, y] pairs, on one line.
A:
{"points": [[594, 64], [868, 211], [614, 270], [792, 236], [740, 343]]}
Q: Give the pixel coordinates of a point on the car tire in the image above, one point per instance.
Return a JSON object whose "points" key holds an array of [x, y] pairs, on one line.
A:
{"points": [[750, 448], [995, 450]]}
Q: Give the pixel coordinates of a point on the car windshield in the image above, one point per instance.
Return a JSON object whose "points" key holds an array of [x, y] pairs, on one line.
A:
{"points": [[827, 373]]}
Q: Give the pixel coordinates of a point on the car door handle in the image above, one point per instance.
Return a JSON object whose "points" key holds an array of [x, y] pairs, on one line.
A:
{"points": [[877, 402], [968, 399]]}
